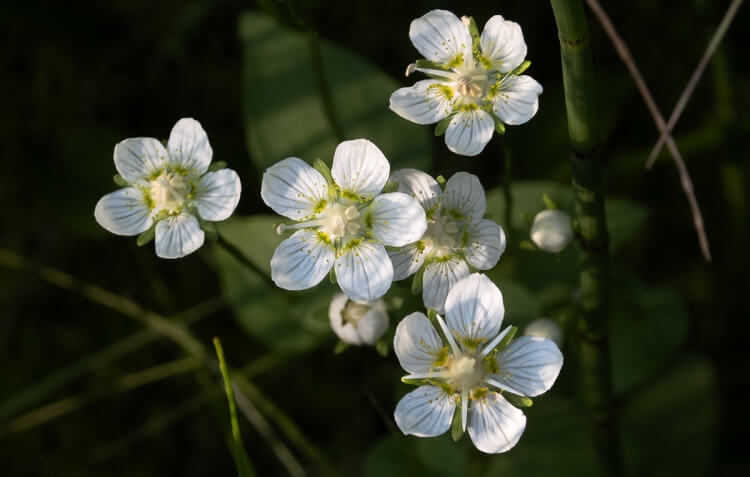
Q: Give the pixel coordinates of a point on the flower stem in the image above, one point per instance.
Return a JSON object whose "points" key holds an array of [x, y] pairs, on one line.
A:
{"points": [[578, 78], [237, 254]]}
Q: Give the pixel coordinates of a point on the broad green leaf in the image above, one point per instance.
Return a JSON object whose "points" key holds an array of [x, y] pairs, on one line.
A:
{"points": [[284, 112], [280, 319], [625, 218], [647, 326], [671, 426]]}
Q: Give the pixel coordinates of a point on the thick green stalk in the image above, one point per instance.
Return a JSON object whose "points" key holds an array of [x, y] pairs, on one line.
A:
{"points": [[578, 77]]}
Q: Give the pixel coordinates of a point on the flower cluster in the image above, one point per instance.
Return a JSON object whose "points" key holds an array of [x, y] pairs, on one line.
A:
{"points": [[169, 190], [475, 85], [365, 227]]}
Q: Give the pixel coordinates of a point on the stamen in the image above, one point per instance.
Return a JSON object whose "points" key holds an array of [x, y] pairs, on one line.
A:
{"points": [[491, 345], [504, 387], [464, 407], [448, 335]]}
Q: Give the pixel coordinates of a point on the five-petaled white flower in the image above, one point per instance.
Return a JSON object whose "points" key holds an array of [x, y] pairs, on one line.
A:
{"points": [[169, 189], [467, 374], [344, 225], [476, 84], [457, 234], [357, 322]]}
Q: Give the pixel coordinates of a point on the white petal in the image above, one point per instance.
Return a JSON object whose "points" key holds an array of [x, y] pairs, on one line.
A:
{"points": [[416, 343], [367, 329], [439, 278], [517, 100], [486, 244], [442, 38], [178, 235], [218, 194], [425, 412], [502, 43], [419, 185], [406, 260], [301, 261], [373, 325], [139, 158], [494, 425], [427, 102], [474, 309], [124, 212], [395, 219], [364, 271], [530, 364], [359, 167], [189, 147], [469, 131], [294, 189], [464, 195]]}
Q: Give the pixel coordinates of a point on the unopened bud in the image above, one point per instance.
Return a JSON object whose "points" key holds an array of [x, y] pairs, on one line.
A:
{"points": [[545, 328], [357, 322], [552, 230]]}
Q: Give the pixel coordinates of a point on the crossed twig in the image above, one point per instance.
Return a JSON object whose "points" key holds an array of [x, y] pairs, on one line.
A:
{"points": [[665, 129]]}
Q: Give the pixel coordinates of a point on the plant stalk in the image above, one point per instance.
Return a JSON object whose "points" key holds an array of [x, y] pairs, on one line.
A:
{"points": [[596, 378]]}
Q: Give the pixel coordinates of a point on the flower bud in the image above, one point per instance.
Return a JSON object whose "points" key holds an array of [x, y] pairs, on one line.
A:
{"points": [[545, 328], [357, 322], [552, 230]]}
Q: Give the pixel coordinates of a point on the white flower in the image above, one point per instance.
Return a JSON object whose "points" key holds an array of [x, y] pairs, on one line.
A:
{"points": [[474, 85], [552, 230], [357, 322], [545, 328], [468, 375], [457, 233], [169, 189], [345, 225]]}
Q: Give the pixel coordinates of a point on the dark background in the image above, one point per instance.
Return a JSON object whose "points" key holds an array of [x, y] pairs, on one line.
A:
{"points": [[77, 77]]}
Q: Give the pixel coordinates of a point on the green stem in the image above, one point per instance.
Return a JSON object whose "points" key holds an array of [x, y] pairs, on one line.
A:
{"points": [[578, 77], [240, 257], [244, 468]]}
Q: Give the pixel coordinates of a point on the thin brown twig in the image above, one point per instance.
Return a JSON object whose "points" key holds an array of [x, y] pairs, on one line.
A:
{"points": [[687, 184], [695, 78]]}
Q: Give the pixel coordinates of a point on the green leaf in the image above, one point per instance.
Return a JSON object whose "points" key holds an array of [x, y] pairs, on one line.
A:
{"points": [[147, 236], [382, 348], [120, 181], [283, 110], [210, 229], [282, 320], [551, 204], [671, 426], [647, 326], [625, 219], [340, 347], [217, 166], [442, 126]]}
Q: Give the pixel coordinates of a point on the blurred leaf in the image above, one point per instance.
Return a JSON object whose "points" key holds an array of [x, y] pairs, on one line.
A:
{"points": [[391, 456], [280, 319], [672, 426], [647, 326], [442, 456], [625, 218], [556, 439], [284, 115]]}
